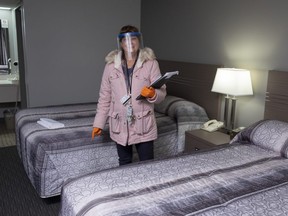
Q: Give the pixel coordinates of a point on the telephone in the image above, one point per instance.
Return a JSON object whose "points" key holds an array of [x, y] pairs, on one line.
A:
{"points": [[212, 125]]}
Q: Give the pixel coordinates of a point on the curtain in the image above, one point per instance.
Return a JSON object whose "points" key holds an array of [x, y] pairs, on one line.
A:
{"points": [[4, 48]]}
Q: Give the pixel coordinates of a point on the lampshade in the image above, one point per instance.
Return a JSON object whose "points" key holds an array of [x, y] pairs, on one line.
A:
{"points": [[232, 81]]}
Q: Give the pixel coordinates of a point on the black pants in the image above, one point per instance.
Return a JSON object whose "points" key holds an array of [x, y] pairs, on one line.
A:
{"points": [[145, 152]]}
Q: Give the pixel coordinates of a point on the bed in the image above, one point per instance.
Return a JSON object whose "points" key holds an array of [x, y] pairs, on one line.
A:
{"points": [[51, 157], [247, 177]]}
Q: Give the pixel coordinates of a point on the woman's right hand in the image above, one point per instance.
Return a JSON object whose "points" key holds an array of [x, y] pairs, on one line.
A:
{"points": [[96, 132]]}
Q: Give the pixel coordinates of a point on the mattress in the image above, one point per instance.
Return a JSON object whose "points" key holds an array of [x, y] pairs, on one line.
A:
{"points": [[247, 177], [53, 156]]}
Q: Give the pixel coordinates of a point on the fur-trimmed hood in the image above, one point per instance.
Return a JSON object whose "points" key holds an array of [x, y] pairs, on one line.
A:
{"points": [[145, 54]]}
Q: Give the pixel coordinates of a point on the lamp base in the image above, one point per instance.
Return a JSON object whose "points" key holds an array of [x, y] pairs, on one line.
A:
{"points": [[226, 110], [229, 132], [233, 112], [225, 130]]}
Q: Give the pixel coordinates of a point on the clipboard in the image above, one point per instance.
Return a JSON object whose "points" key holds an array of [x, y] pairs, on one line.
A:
{"points": [[160, 82]]}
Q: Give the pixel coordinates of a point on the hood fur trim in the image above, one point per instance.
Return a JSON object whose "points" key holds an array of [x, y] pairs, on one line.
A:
{"points": [[145, 54]]}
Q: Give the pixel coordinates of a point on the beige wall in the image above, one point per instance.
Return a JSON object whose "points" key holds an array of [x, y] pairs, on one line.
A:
{"points": [[65, 45], [242, 34]]}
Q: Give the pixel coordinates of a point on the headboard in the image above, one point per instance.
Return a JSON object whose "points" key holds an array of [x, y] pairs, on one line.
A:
{"points": [[194, 83], [276, 103]]}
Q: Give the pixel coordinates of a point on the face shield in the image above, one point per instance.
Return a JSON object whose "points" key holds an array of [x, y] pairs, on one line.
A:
{"points": [[130, 43]]}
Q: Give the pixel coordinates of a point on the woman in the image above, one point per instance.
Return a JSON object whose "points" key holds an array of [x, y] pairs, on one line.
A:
{"points": [[128, 72]]}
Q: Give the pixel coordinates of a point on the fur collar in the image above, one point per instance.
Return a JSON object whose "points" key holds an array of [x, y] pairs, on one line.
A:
{"points": [[145, 54]]}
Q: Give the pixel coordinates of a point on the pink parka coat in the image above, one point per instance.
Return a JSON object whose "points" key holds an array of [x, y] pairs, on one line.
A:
{"points": [[113, 88]]}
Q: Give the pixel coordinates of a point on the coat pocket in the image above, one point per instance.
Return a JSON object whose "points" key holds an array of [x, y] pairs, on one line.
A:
{"points": [[114, 122], [144, 122]]}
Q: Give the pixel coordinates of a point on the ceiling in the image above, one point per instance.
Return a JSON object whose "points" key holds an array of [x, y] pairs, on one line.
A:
{"points": [[9, 3]]}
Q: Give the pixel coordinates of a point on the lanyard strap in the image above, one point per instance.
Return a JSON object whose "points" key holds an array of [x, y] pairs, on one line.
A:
{"points": [[128, 74]]}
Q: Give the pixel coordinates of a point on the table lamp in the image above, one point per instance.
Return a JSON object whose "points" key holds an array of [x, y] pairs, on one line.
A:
{"points": [[232, 82]]}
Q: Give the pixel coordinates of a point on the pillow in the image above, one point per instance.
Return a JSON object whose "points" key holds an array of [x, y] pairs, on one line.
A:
{"points": [[268, 134], [182, 110], [165, 104]]}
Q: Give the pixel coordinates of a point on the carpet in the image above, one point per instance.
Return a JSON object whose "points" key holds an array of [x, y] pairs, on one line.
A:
{"points": [[17, 195]]}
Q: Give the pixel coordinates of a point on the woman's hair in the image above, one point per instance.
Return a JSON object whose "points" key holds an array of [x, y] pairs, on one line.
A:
{"points": [[128, 28]]}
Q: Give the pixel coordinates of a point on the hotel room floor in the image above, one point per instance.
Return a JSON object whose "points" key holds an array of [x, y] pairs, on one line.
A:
{"points": [[17, 195]]}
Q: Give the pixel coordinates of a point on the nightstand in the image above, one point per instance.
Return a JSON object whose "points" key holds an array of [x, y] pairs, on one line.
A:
{"points": [[199, 139]]}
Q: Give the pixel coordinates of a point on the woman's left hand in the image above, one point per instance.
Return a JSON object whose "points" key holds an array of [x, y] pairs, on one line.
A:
{"points": [[148, 92]]}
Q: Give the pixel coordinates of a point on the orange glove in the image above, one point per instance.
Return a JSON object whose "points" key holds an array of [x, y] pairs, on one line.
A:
{"points": [[96, 132], [148, 92]]}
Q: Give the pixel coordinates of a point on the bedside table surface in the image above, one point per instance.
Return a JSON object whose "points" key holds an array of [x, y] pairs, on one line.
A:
{"points": [[216, 137]]}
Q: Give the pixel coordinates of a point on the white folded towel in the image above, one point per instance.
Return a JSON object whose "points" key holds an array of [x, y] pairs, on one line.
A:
{"points": [[50, 123]]}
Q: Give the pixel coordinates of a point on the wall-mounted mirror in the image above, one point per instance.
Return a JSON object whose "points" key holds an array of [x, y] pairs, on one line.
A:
{"points": [[5, 61]]}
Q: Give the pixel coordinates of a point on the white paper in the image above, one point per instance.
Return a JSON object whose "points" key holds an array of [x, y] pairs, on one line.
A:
{"points": [[50, 123], [4, 23], [167, 75]]}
